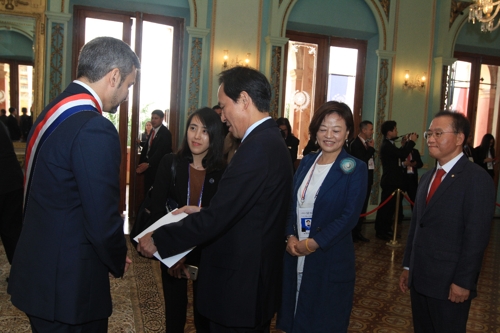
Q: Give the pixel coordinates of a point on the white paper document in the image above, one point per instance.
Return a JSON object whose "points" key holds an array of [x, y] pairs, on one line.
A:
{"points": [[167, 219]]}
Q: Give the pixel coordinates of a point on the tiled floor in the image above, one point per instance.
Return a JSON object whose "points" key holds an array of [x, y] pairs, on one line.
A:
{"points": [[379, 305]]}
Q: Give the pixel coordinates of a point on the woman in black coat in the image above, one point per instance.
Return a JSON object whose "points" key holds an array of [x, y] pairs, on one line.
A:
{"points": [[189, 177], [484, 154]]}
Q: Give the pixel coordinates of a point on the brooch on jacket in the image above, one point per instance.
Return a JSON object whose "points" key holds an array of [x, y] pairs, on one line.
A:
{"points": [[347, 165]]}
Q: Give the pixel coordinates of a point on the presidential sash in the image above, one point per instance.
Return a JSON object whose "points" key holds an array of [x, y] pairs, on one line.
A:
{"points": [[52, 119]]}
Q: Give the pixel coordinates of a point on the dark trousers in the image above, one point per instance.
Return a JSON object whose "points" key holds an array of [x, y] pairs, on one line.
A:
{"points": [[431, 315], [11, 220], [357, 228], [176, 300], [385, 215], [39, 325], [217, 328]]}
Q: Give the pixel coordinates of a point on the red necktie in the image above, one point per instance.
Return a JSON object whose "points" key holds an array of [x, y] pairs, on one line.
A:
{"points": [[152, 137], [437, 180]]}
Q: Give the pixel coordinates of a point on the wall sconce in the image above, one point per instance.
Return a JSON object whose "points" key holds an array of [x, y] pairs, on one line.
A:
{"points": [[226, 56], [234, 62], [417, 82]]}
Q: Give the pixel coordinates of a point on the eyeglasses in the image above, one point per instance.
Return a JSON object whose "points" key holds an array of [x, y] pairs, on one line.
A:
{"points": [[437, 135]]}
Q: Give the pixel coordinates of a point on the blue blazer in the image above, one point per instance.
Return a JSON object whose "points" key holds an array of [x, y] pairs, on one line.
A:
{"points": [[72, 235], [449, 235], [328, 277]]}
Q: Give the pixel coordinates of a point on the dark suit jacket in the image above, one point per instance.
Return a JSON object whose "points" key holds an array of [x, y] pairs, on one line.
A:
{"points": [[391, 157], [448, 236], [72, 235], [239, 282], [11, 175], [359, 150], [162, 144], [14, 129], [331, 267]]}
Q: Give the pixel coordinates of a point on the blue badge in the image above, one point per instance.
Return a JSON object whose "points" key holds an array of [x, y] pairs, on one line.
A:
{"points": [[348, 165]]}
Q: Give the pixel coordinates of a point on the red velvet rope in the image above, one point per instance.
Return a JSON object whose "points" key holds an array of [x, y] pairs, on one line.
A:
{"points": [[379, 206], [390, 197]]}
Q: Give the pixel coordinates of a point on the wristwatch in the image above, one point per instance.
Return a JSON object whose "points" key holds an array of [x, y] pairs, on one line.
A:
{"points": [[287, 237]]}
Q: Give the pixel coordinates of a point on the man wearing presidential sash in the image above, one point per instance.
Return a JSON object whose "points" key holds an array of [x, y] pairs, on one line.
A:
{"points": [[72, 237]]}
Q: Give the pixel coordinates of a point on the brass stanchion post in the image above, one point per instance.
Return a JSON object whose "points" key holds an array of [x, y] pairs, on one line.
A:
{"points": [[394, 242]]}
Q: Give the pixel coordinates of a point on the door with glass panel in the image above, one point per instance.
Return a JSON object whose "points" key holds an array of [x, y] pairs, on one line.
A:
{"points": [[319, 69], [157, 41], [472, 90]]}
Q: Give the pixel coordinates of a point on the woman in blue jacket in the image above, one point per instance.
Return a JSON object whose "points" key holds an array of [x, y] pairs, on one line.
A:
{"points": [[328, 195]]}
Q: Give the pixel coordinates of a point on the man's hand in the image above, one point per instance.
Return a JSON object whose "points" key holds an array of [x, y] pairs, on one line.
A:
{"points": [[187, 209], [403, 280], [458, 294], [128, 261], [146, 246], [142, 167]]}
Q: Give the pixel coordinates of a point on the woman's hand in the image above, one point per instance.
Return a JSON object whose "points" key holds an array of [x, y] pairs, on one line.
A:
{"points": [[177, 269], [187, 209], [306, 246], [290, 246]]}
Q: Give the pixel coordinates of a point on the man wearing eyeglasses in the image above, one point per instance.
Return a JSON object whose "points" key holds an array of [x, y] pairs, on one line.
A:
{"points": [[449, 231]]}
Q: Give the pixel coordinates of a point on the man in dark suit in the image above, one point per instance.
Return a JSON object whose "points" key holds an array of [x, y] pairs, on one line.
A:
{"points": [[239, 282], [411, 164], [25, 123], [362, 148], [392, 176], [13, 125], [72, 238], [11, 194], [450, 229], [159, 143]]}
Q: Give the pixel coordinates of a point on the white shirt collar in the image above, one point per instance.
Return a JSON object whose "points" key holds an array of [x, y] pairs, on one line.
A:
{"points": [[86, 86], [450, 164], [251, 128]]}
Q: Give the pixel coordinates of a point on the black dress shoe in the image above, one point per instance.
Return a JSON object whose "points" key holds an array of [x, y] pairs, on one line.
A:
{"points": [[383, 237], [362, 238]]}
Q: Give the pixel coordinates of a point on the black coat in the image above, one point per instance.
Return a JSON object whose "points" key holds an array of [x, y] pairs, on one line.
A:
{"points": [[239, 281]]}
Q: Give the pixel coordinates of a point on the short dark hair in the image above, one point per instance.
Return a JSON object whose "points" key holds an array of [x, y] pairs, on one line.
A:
{"points": [[158, 113], [3, 111], [387, 126], [102, 54], [459, 123], [364, 123], [214, 159], [12, 109], [326, 109], [286, 122], [216, 106], [253, 82]]}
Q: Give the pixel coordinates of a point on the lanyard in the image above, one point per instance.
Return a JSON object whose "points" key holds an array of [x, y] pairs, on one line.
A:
{"points": [[189, 188], [304, 191]]}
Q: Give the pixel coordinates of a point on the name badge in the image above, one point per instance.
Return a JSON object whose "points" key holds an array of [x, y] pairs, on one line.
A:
{"points": [[304, 222], [371, 164]]}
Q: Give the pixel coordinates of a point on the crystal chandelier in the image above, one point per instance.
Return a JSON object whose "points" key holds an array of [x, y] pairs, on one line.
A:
{"points": [[485, 12]]}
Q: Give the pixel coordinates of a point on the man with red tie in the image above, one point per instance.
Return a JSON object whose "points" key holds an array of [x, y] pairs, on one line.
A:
{"points": [[449, 232]]}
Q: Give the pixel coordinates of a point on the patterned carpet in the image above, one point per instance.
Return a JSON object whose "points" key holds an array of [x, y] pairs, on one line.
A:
{"points": [[379, 306]]}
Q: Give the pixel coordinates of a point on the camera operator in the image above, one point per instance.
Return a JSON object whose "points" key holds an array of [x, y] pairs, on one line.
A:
{"points": [[392, 176], [411, 164]]}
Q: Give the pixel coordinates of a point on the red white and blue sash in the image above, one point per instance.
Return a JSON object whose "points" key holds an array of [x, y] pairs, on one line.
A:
{"points": [[52, 119]]}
